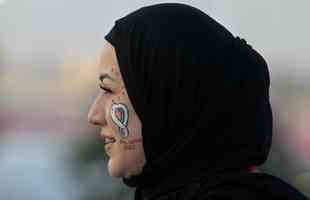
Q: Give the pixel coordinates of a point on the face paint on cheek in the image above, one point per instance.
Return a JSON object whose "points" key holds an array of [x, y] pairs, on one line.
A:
{"points": [[130, 144], [129, 147], [120, 115]]}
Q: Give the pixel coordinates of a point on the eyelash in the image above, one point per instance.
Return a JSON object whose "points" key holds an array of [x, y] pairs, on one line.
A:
{"points": [[106, 90]]}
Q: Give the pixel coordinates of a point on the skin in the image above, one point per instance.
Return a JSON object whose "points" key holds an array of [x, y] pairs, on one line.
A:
{"points": [[126, 154]]}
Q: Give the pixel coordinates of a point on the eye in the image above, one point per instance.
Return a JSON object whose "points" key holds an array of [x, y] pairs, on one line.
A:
{"points": [[106, 90]]}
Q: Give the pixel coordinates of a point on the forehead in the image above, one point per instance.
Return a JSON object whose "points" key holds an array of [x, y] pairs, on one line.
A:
{"points": [[108, 61]]}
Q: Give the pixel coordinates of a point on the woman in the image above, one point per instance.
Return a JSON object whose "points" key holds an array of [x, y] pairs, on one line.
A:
{"points": [[184, 108]]}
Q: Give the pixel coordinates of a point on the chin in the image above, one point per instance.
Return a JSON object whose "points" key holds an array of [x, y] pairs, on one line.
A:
{"points": [[115, 170], [114, 174]]}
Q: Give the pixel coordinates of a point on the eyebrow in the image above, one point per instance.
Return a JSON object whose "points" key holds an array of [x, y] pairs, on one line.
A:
{"points": [[105, 76]]}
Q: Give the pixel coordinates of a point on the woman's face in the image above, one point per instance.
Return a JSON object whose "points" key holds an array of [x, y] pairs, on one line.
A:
{"points": [[113, 113]]}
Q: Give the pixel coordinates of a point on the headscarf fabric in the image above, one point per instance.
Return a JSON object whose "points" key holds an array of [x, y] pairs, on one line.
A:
{"points": [[201, 93]]}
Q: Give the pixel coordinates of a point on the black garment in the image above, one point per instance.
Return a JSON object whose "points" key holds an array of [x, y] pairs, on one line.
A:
{"points": [[201, 94], [228, 186]]}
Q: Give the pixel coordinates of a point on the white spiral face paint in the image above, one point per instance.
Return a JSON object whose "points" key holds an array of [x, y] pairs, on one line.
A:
{"points": [[119, 114]]}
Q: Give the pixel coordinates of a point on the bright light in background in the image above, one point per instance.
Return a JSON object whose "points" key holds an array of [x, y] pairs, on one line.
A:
{"points": [[3, 2]]}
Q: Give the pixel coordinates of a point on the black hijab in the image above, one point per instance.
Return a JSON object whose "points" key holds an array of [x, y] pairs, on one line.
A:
{"points": [[201, 94]]}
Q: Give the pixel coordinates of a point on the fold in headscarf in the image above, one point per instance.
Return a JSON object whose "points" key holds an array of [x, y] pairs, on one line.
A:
{"points": [[201, 94]]}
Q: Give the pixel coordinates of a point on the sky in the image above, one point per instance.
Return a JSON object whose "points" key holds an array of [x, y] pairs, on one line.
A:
{"points": [[43, 32]]}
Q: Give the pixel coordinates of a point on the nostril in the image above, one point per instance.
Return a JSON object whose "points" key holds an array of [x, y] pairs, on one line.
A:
{"points": [[91, 118], [95, 123], [92, 121], [96, 118]]}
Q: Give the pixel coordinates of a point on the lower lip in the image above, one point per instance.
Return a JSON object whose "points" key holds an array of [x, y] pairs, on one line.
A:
{"points": [[108, 147]]}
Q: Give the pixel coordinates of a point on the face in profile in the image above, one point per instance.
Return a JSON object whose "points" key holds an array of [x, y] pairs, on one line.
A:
{"points": [[113, 112]]}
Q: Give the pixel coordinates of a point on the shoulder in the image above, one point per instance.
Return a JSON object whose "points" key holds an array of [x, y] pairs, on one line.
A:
{"points": [[256, 186], [229, 193]]}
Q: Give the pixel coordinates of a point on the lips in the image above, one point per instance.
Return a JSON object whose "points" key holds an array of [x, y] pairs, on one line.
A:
{"points": [[108, 142], [108, 148]]}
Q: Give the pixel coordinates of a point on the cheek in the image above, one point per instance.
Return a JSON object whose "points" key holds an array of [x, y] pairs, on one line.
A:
{"points": [[125, 162], [135, 126], [124, 119]]}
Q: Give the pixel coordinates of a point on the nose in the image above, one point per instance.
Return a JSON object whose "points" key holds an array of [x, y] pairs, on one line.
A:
{"points": [[96, 113]]}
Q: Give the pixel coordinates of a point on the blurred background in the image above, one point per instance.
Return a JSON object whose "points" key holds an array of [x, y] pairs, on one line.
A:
{"points": [[48, 55]]}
